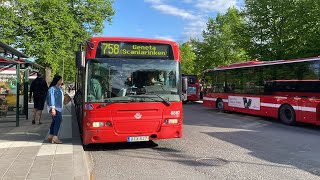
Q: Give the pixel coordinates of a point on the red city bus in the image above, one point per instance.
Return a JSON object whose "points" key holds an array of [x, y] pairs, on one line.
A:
{"points": [[193, 90], [128, 90], [284, 89]]}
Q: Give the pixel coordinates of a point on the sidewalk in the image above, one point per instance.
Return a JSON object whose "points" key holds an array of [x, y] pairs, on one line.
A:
{"points": [[26, 154]]}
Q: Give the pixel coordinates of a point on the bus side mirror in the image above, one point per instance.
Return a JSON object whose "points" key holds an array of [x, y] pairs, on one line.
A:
{"points": [[80, 55], [184, 84]]}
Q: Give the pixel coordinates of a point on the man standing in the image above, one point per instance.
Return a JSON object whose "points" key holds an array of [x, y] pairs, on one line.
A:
{"points": [[39, 89]]}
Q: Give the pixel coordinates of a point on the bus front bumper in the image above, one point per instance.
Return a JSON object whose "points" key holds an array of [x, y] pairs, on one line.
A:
{"points": [[108, 136]]}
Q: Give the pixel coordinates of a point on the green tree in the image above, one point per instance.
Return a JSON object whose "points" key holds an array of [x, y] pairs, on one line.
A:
{"points": [[283, 29], [221, 41], [187, 59], [52, 30]]}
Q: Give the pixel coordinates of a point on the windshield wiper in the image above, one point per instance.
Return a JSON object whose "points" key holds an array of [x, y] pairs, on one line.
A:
{"points": [[168, 103], [113, 102]]}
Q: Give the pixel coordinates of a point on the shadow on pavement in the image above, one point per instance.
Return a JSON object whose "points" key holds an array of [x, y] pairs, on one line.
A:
{"points": [[119, 146], [264, 138]]}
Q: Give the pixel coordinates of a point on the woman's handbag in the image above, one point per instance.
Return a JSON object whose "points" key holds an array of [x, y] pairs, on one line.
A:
{"points": [[66, 99]]}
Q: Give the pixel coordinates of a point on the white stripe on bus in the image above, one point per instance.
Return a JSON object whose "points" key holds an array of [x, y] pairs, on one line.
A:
{"points": [[214, 99], [270, 105], [298, 108], [209, 99]]}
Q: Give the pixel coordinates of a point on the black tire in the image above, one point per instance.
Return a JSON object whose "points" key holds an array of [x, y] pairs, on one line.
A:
{"points": [[287, 114], [220, 105]]}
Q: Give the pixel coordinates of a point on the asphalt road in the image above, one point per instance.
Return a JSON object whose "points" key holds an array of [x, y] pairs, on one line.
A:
{"points": [[216, 146]]}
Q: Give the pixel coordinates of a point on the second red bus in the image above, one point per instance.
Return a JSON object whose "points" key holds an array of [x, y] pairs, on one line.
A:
{"points": [[285, 89]]}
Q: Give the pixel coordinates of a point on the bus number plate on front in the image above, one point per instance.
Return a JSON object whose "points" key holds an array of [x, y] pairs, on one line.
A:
{"points": [[138, 138]]}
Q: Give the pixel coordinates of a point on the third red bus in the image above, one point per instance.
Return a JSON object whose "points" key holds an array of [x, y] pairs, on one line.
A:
{"points": [[193, 90]]}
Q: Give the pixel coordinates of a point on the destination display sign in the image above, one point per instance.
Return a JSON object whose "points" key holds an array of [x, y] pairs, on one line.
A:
{"points": [[134, 50]]}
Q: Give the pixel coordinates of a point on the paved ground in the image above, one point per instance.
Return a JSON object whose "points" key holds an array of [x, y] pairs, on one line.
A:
{"points": [[216, 146], [25, 153]]}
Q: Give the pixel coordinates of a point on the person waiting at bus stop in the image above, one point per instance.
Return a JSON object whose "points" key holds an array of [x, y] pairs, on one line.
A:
{"points": [[39, 90], [55, 106]]}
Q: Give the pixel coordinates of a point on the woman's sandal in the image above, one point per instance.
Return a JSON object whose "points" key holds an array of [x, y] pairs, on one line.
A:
{"points": [[56, 141]]}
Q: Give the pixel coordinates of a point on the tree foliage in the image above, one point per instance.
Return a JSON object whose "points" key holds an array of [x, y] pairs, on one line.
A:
{"points": [[264, 29], [220, 45], [187, 58], [52, 30], [283, 29]]}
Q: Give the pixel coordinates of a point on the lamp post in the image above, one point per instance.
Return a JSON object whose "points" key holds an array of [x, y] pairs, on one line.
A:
{"points": [[62, 68], [63, 75]]}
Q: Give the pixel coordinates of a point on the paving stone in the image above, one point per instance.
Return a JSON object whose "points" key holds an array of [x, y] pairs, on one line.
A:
{"points": [[14, 178], [8, 158], [63, 157], [6, 163], [2, 150], [61, 176], [12, 152], [81, 178], [26, 154], [17, 172], [44, 158], [78, 163], [30, 149], [2, 171], [43, 168], [63, 164], [62, 169], [64, 149], [39, 175], [47, 149]]}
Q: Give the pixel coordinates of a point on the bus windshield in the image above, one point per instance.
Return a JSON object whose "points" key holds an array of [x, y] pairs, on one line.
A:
{"points": [[132, 80]]}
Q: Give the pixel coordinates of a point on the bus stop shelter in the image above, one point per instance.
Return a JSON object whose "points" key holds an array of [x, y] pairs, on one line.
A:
{"points": [[15, 71]]}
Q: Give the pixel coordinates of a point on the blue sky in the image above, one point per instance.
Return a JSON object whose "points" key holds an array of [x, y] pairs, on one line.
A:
{"points": [[177, 20]]}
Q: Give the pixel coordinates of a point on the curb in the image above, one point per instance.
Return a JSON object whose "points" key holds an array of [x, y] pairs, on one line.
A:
{"points": [[88, 162]]}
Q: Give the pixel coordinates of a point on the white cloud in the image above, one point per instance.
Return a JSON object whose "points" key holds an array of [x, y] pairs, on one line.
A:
{"points": [[172, 10], [170, 38], [194, 29], [195, 21], [216, 5]]}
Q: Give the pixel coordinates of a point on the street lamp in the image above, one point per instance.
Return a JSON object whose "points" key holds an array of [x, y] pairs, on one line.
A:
{"points": [[63, 74]]}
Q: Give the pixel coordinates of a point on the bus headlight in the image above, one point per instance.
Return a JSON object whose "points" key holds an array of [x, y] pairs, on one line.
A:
{"points": [[97, 124]]}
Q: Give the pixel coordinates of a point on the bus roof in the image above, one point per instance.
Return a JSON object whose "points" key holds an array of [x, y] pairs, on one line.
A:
{"points": [[133, 39], [255, 63]]}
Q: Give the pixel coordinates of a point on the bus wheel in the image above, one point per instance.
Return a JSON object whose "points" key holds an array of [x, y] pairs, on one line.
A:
{"points": [[220, 105], [287, 114]]}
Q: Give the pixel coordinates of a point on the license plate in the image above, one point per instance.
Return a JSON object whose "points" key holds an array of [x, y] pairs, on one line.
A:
{"points": [[138, 138]]}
